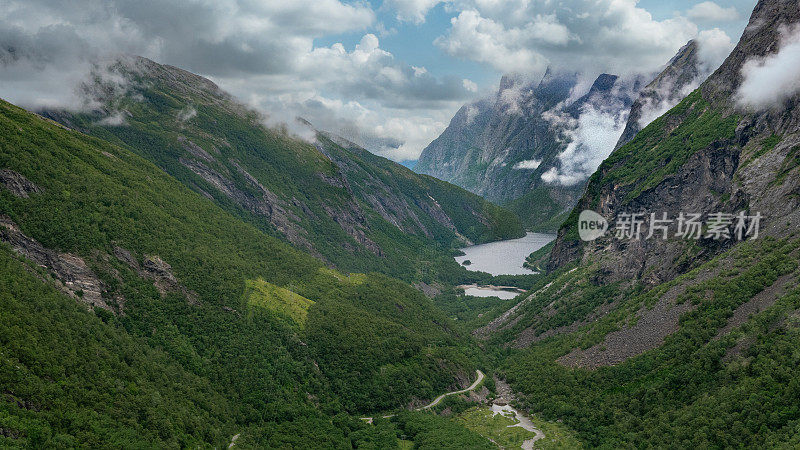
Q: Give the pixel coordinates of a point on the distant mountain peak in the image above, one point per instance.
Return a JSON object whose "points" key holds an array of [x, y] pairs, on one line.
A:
{"points": [[681, 76]]}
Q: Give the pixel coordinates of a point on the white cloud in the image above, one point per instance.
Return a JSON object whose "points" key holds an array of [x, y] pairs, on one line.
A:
{"points": [[652, 109], [263, 52], [526, 36], [471, 113], [770, 80], [591, 141], [713, 46], [470, 85], [590, 137], [412, 10], [115, 120], [712, 12], [529, 164], [187, 114], [486, 41]]}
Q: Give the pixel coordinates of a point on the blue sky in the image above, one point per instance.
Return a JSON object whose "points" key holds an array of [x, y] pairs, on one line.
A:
{"points": [[388, 75], [414, 43]]}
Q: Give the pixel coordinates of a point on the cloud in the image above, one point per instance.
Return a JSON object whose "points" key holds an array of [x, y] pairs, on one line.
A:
{"points": [[40, 38], [653, 108], [530, 164], [369, 72], [712, 12], [526, 36], [592, 135], [470, 85], [487, 41], [591, 141], [713, 46], [115, 119], [471, 113], [187, 114], [263, 52], [412, 10], [399, 135], [770, 80]]}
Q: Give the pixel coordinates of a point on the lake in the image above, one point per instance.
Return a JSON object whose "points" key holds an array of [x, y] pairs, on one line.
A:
{"points": [[489, 291], [504, 257]]}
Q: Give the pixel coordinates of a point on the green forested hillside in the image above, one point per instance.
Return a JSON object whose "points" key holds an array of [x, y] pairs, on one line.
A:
{"points": [[174, 353], [539, 211], [357, 220], [707, 384]]}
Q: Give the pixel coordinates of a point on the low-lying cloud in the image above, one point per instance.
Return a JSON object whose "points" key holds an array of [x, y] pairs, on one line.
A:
{"points": [[528, 164], [592, 136], [771, 80], [713, 46], [592, 139]]}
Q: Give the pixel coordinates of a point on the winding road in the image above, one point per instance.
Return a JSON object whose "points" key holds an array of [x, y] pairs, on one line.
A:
{"points": [[472, 387], [439, 399]]}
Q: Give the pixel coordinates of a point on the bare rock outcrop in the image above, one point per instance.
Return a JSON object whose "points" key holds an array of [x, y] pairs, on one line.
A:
{"points": [[73, 275], [17, 183], [267, 204], [156, 269]]}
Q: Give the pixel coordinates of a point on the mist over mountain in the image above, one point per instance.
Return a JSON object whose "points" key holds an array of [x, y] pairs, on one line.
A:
{"points": [[534, 144], [504, 146]]}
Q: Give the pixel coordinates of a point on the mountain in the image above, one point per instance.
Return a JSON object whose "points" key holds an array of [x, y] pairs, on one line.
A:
{"points": [[304, 191], [682, 75], [500, 147], [684, 342], [508, 151], [137, 312], [485, 139]]}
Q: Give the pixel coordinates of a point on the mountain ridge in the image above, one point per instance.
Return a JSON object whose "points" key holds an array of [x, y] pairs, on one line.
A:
{"points": [[287, 186]]}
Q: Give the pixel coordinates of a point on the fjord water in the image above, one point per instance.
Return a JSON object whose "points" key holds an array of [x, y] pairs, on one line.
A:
{"points": [[490, 291], [504, 257]]}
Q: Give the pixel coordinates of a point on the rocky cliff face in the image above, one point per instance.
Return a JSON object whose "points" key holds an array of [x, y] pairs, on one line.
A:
{"points": [[501, 147], [708, 154], [486, 139], [681, 76]]}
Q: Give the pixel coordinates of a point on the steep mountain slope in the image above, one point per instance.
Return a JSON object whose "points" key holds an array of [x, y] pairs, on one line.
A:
{"points": [[529, 127], [682, 75], [690, 342], [136, 312], [500, 147], [411, 202], [485, 139], [283, 185]]}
